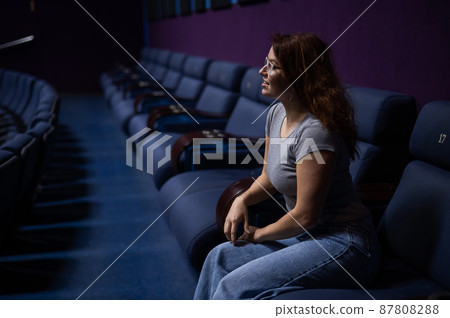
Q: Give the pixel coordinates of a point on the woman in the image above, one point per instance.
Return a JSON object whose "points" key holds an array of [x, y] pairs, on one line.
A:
{"points": [[327, 239]]}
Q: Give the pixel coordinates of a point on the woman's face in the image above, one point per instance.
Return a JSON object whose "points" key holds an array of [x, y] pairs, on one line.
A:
{"points": [[273, 82]]}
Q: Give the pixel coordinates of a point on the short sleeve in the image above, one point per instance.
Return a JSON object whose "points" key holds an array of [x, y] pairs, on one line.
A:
{"points": [[269, 118], [315, 138]]}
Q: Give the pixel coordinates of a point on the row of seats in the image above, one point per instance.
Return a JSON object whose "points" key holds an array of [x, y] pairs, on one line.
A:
{"points": [[225, 99], [28, 114]]}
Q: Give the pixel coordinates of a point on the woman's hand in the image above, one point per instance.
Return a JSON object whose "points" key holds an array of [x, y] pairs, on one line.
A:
{"points": [[252, 236], [238, 213]]}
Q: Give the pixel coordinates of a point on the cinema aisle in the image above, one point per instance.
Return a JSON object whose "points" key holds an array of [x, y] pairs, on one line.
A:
{"points": [[90, 208]]}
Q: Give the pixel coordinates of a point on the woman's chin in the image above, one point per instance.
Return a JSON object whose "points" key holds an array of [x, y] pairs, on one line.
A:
{"points": [[265, 92]]}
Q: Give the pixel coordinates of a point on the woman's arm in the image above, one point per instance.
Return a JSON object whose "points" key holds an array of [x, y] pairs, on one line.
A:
{"points": [[313, 182], [238, 212]]}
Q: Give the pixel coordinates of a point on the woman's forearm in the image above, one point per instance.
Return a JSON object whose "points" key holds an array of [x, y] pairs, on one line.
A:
{"points": [[258, 191], [288, 226]]}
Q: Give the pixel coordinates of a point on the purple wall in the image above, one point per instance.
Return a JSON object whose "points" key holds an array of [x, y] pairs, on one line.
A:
{"points": [[401, 45]]}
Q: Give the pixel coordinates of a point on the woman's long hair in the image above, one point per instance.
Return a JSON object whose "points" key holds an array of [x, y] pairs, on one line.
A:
{"points": [[319, 88]]}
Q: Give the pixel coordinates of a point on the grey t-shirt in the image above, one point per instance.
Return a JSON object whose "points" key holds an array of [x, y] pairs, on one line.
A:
{"points": [[342, 203]]}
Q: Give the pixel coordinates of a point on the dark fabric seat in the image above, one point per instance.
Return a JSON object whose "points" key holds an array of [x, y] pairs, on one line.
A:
{"points": [[214, 105], [188, 90]]}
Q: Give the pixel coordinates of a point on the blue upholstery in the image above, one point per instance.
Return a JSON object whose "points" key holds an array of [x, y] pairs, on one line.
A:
{"points": [[218, 97], [9, 185], [26, 148], [163, 57], [414, 228], [26, 119], [189, 88], [385, 120], [239, 123], [430, 142], [201, 234]]}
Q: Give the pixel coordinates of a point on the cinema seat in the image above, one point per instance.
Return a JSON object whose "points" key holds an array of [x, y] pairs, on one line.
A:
{"points": [[414, 229], [26, 148], [212, 110], [187, 92], [124, 110], [389, 114], [128, 88], [245, 108], [9, 187]]}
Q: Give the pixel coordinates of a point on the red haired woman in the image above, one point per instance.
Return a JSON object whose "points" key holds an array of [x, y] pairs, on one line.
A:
{"points": [[327, 239]]}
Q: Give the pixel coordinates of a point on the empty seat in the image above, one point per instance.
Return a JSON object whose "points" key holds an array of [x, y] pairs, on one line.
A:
{"points": [[9, 185], [126, 108], [187, 92], [214, 105]]}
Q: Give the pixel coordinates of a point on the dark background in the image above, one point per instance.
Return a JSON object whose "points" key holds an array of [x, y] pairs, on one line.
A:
{"points": [[70, 50]]}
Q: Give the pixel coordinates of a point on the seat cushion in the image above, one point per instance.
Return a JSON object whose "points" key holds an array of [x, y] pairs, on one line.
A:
{"points": [[395, 280]]}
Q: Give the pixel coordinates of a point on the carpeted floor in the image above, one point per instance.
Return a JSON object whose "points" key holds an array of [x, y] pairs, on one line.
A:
{"points": [[90, 208]]}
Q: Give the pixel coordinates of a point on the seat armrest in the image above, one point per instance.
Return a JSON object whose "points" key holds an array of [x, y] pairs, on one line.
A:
{"points": [[260, 214], [186, 140], [149, 95], [173, 110], [227, 198], [134, 85], [127, 77]]}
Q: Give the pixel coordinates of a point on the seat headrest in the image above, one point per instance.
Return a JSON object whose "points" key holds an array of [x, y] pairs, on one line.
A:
{"points": [[225, 74], [163, 57], [177, 61], [196, 66], [152, 54], [383, 117], [430, 139], [251, 84]]}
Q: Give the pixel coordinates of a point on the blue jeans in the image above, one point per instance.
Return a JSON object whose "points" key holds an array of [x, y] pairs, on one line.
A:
{"points": [[263, 271]]}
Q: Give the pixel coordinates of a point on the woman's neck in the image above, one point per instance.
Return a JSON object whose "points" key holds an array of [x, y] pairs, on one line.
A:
{"points": [[295, 111]]}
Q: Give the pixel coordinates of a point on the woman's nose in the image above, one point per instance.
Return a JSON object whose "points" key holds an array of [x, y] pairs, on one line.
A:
{"points": [[263, 70]]}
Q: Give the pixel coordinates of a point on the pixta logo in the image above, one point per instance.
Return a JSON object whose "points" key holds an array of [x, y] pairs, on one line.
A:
{"points": [[144, 137], [147, 141]]}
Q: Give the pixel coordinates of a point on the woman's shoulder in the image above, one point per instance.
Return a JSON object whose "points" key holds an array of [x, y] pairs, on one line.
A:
{"points": [[313, 128], [275, 109]]}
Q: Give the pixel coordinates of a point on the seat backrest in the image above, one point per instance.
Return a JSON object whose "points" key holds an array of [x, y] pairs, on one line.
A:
{"points": [[192, 82], [26, 95], [250, 105], [9, 183], [174, 72], [34, 98], [385, 120], [223, 80], [26, 147], [416, 223], [164, 57], [158, 69], [44, 133]]}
